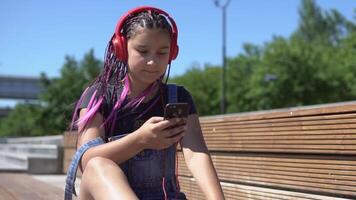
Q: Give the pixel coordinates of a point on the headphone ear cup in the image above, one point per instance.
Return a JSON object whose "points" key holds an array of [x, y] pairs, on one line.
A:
{"points": [[114, 43], [174, 46], [175, 51], [120, 49]]}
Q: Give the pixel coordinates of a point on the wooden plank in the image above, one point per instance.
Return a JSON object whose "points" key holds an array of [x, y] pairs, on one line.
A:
{"points": [[278, 123], [277, 129], [306, 137], [306, 119], [311, 149], [314, 171], [22, 186], [280, 150], [327, 109], [267, 139], [280, 182], [342, 141], [240, 191], [70, 139], [68, 153], [231, 132], [334, 177], [332, 170], [66, 164]]}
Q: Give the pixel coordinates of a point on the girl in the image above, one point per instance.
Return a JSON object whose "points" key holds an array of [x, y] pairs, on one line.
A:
{"points": [[126, 150]]}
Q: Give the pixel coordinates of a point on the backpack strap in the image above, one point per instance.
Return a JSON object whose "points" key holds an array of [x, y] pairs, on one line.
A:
{"points": [[172, 93]]}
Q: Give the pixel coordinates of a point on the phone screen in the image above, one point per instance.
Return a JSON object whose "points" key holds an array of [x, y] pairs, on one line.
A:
{"points": [[179, 110]]}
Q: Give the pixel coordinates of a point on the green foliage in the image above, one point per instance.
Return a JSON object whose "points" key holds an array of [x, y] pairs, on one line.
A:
{"points": [[24, 120], [321, 27], [53, 114], [203, 85], [316, 64], [61, 93], [240, 80]]}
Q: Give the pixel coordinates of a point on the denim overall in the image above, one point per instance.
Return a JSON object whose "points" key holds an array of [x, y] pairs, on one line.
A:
{"points": [[151, 173]]}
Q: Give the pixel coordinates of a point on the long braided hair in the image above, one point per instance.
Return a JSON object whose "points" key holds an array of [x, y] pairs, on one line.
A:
{"points": [[114, 74]]}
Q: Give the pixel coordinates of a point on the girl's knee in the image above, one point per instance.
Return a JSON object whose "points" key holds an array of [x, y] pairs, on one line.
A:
{"points": [[103, 179], [101, 165]]}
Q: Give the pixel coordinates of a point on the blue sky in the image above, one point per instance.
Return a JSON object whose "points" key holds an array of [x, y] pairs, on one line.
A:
{"points": [[37, 34]]}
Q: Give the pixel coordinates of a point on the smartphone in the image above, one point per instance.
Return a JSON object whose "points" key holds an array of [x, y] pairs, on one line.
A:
{"points": [[180, 110]]}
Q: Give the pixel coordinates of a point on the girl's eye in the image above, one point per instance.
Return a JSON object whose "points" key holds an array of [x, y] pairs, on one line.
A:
{"points": [[162, 53], [142, 51]]}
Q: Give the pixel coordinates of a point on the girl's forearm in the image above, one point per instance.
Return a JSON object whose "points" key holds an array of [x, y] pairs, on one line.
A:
{"points": [[118, 150], [202, 168]]}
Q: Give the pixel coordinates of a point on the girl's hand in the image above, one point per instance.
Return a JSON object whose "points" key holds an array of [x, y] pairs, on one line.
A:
{"points": [[157, 133]]}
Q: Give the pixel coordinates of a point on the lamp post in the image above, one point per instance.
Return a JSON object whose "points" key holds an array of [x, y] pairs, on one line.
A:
{"points": [[223, 74]]}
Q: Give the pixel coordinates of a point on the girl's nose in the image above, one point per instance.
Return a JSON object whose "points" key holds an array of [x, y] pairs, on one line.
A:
{"points": [[150, 61]]}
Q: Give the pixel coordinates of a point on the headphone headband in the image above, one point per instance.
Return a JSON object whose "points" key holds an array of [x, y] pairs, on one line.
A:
{"points": [[120, 42]]}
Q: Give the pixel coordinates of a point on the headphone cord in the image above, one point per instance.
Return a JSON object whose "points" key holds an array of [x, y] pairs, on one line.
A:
{"points": [[169, 69]]}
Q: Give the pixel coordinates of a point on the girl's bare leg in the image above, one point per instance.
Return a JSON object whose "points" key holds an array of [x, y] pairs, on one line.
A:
{"points": [[104, 179]]}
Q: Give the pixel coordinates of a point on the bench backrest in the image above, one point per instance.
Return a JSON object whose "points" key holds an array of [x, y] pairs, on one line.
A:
{"points": [[304, 153]]}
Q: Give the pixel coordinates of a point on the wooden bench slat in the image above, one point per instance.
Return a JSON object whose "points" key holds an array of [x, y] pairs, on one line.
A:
{"points": [[219, 148], [242, 194], [295, 122], [290, 175], [331, 109], [295, 167], [328, 171], [321, 159], [317, 169], [351, 140], [239, 191], [277, 129], [284, 182], [70, 139], [312, 148], [306, 119], [233, 133], [281, 150], [306, 137], [331, 161], [260, 173]]}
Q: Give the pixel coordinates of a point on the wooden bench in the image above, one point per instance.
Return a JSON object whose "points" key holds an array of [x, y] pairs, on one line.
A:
{"points": [[18, 186], [297, 153]]}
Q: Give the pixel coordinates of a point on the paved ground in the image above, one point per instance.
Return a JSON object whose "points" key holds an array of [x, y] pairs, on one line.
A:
{"points": [[56, 180], [22, 186]]}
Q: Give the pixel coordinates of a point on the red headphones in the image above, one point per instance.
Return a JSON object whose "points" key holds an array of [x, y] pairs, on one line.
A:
{"points": [[119, 41]]}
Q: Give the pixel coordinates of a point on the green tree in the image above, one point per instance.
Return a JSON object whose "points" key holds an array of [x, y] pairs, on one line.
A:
{"points": [[23, 121], [61, 93], [318, 26], [240, 80], [204, 87], [315, 65], [52, 114]]}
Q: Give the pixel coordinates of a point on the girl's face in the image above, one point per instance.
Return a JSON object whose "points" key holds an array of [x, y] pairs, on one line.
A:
{"points": [[148, 54]]}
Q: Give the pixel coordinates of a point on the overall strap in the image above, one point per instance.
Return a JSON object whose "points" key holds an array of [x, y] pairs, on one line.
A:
{"points": [[72, 170], [172, 93]]}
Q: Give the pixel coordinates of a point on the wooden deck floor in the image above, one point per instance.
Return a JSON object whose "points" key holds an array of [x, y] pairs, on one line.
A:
{"points": [[21, 186]]}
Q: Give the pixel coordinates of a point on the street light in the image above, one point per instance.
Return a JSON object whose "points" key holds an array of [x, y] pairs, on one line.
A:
{"points": [[223, 81]]}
